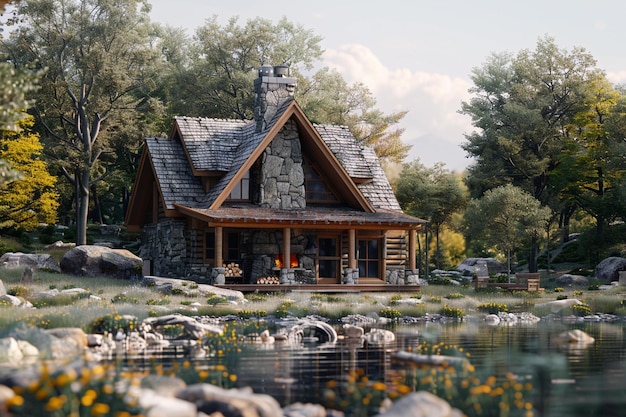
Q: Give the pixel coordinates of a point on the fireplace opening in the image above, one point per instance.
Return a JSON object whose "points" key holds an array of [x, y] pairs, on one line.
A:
{"points": [[293, 261]]}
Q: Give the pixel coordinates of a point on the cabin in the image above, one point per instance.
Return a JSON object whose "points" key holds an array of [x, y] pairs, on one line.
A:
{"points": [[274, 200]]}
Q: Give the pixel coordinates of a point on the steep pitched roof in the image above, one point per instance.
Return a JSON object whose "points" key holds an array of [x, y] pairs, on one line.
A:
{"points": [[177, 183], [200, 146]]}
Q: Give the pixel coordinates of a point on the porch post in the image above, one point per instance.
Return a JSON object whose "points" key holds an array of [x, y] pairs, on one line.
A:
{"points": [[219, 257], [352, 249], [412, 248], [287, 248]]}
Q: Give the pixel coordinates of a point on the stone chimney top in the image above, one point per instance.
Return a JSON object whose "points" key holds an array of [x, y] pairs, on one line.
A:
{"points": [[271, 89]]}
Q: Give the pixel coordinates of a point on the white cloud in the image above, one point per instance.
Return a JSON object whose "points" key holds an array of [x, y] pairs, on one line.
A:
{"points": [[432, 100]]}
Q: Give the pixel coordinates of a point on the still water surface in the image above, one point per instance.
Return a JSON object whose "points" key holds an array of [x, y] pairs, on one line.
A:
{"points": [[568, 382]]}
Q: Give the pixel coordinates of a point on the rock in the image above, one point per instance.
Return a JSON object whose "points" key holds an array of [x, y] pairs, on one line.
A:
{"points": [[12, 260], [304, 410], [204, 289], [27, 349], [379, 337], [6, 394], [96, 261], [167, 386], [158, 405], [74, 334], [469, 266], [59, 244], [3, 290], [608, 269], [14, 301], [575, 336], [570, 279], [353, 332], [492, 319], [421, 404], [194, 330], [211, 398], [10, 352]]}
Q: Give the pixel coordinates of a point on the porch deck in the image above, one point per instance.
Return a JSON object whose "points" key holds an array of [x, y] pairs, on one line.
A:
{"points": [[326, 288]]}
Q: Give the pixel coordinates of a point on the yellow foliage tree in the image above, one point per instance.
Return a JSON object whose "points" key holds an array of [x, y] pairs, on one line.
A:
{"points": [[31, 199]]}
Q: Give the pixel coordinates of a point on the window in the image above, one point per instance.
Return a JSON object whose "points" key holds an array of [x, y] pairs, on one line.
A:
{"points": [[316, 188], [242, 189], [369, 258], [233, 253], [209, 247], [329, 260]]}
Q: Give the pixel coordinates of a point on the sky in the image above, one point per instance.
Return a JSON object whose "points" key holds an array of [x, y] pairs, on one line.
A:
{"points": [[418, 56]]}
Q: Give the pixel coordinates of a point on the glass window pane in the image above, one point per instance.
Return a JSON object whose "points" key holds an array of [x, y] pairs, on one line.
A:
{"points": [[327, 247], [372, 249], [328, 268], [372, 269]]}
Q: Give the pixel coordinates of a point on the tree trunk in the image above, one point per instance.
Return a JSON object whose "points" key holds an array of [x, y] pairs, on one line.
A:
{"points": [[82, 209]]}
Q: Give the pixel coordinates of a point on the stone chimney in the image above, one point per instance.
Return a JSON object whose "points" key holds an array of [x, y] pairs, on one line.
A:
{"points": [[271, 89]]}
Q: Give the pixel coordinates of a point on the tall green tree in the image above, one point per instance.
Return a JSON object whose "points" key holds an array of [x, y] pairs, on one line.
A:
{"points": [[505, 216], [223, 61], [434, 194], [327, 98], [522, 107], [590, 168], [98, 58]]}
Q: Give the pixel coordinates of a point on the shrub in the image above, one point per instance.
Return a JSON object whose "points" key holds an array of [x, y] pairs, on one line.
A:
{"points": [[454, 296], [19, 291], [113, 322], [216, 299], [453, 312], [493, 308], [158, 301], [581, 310], [390, 313]]}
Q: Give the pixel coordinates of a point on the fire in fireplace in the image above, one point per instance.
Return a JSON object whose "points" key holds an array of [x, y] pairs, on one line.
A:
{"points": [[293, 261]]}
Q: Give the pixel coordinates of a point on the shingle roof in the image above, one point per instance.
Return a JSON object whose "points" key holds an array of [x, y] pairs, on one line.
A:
{"points": [[225, 145], [177, 183]]}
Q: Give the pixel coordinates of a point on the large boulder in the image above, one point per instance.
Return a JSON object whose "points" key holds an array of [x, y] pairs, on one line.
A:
{"points": [[97, 261], [421, 404], [469, 266], [570, 279], [608, 269], [14, 260]]}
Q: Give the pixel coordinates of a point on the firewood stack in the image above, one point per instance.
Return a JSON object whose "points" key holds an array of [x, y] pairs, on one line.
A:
{"points": [[268, 281], [232, 270]]}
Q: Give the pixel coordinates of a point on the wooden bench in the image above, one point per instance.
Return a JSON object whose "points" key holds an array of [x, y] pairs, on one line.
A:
{"points": [[523, 282]]}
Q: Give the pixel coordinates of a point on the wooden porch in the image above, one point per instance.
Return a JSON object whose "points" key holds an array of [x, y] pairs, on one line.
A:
{"points": [[323, 288]]}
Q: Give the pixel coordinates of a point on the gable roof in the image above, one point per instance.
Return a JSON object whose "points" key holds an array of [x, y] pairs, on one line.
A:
{"points": [[228, 148]]}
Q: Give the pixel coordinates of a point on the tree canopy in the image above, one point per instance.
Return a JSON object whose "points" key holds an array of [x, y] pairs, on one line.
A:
{"points": [[97, 57]]}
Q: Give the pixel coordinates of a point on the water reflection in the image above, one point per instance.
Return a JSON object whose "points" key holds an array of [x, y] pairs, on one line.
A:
{"points": [[567, 381]]}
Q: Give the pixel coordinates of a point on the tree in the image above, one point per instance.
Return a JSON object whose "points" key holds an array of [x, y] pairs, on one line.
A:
{"points": [[223, 65], [30, 200], [327, 98], [523, 107], [505, 216], [591, 168], [434, 194], [97, 56]]}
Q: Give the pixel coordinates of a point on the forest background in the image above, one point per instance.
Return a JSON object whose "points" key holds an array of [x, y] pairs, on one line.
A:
{"points": [[86, 80]]}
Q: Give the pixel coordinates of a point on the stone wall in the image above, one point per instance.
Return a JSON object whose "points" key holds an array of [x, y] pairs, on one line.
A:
{"points": [[164, 245], [282, 175]]}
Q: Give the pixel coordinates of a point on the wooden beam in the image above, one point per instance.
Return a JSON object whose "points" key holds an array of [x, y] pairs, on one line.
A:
{"points": [[287, 247], [219, 245], [352, 249], [412, 248]]}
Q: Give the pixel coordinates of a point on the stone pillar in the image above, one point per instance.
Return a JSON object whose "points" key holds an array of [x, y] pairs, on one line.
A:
{"points": [[412, 276], [217, 276], [287, 276], [351, 276]]}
